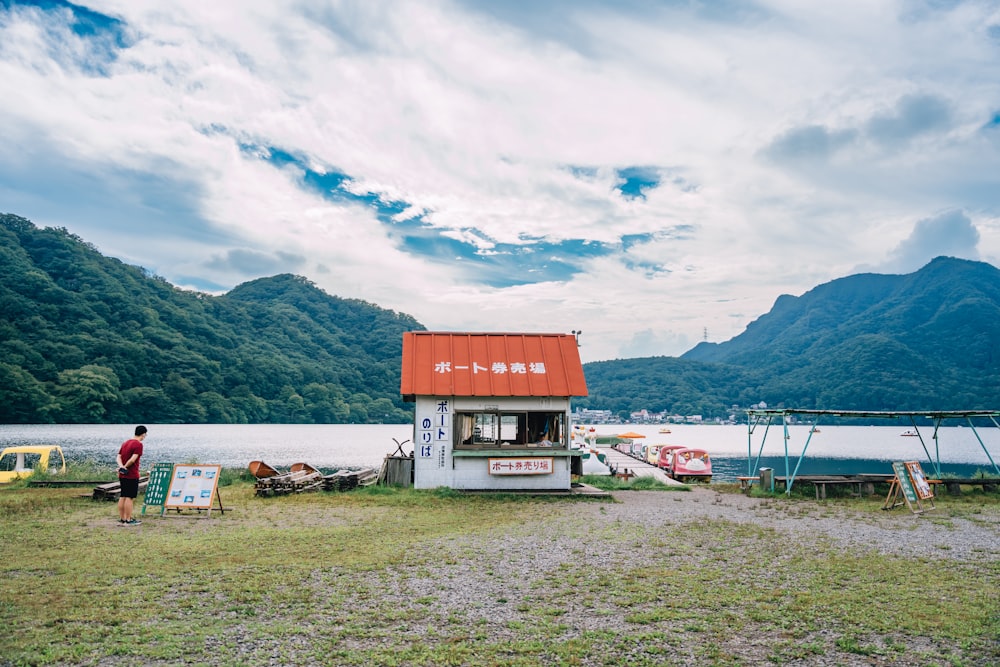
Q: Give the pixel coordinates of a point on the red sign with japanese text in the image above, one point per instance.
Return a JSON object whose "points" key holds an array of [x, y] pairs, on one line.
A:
{"points": [[529, 465]]}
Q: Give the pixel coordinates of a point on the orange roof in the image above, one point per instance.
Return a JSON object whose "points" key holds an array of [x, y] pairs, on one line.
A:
{"points": [[491, 364]]}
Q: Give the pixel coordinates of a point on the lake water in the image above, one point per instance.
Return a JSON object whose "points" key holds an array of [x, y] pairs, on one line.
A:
{"points": [[834, 450]]}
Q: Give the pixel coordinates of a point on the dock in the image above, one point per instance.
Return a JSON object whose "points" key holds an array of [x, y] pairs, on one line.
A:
{"points": [[622, 462]]}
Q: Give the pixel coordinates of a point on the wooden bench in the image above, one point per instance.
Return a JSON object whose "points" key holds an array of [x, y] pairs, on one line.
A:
{"points": [[954, 486], [821, 484], [862, 485], [746, 483]]}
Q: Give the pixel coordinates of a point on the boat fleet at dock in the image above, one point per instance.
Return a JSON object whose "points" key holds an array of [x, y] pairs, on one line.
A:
{"points": [[685, 464], [679, 462]]}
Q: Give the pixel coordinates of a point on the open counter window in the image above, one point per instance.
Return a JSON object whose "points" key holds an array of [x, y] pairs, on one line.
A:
{"points": [[509, 429]]}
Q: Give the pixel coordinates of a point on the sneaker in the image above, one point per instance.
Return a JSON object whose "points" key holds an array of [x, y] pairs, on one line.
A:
{"points": [[132, 522]]}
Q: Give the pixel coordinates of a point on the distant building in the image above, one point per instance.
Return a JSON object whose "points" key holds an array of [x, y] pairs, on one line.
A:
{"points": [[586, 416], [640, 416]]}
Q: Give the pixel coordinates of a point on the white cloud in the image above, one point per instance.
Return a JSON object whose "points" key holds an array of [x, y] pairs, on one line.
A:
{"points": [[949, 234], [794, 143]]}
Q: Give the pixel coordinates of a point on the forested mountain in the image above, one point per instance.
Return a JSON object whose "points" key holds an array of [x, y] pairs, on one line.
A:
{"points": [[86, 338], [929, 340]]}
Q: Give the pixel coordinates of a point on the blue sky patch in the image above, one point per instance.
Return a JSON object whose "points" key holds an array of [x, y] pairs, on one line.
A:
{"points": [[635, 181], [489, 263], [331, 185], [103, 35], [502, 264]]}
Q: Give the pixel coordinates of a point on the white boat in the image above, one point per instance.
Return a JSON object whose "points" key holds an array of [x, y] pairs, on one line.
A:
{"points": [[594, 463]]}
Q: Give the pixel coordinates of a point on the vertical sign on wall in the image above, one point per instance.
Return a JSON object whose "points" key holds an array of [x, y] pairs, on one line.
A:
{"points": [[442, 430], [425, 437]]}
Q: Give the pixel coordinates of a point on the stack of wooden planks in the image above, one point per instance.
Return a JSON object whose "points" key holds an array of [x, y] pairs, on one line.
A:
{"points": [[345, 480], [303, 477], [113, 490]]}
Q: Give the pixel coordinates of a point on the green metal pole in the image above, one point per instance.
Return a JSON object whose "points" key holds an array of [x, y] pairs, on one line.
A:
{"points": [[995, 468]]}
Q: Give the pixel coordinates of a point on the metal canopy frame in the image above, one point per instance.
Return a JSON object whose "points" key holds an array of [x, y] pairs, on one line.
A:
{"points": [[755, 417]]}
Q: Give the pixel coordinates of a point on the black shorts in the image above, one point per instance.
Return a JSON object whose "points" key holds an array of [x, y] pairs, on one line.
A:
{"points": [[130, 487]]}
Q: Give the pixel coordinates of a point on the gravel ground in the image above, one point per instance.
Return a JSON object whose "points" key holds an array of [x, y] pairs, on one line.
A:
{"points": [[495, 583], [560, 577], [896, 531]]}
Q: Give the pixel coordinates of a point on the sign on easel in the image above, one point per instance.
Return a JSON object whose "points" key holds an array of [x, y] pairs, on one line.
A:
{"points": [[910, 483], [194, 487], [157, 486]]}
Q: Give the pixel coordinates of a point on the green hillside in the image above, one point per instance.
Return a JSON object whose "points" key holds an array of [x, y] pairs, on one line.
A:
{"points": [[87, 339]]}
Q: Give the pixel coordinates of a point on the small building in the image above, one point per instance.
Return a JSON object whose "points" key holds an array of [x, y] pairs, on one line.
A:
{"points": [[492, 409]]}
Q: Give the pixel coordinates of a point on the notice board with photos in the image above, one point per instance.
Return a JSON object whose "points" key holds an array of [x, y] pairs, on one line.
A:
{"points": [[193, 486]]}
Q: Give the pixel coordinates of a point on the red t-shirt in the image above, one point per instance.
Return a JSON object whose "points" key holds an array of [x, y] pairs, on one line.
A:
{"points": [[128, 448]]}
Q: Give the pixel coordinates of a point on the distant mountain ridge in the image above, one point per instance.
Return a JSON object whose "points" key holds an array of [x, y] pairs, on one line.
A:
{"points": [[948, 295], [929, 340]]}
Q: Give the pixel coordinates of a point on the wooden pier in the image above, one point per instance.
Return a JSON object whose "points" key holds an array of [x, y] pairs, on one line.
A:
{"points": [[626, 465]]}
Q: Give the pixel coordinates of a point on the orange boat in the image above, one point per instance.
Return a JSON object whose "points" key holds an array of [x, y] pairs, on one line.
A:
{"points": [[261, 470]]}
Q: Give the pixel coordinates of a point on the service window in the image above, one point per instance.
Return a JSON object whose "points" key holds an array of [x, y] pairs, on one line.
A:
{"points": [[513, 429]]}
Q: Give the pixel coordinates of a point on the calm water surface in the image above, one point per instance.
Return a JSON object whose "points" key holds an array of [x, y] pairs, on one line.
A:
{"points": [[834, 450], [231, 445]]}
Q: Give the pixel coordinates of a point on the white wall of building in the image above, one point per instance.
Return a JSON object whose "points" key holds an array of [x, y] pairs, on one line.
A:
{"points": [[434, 463]]}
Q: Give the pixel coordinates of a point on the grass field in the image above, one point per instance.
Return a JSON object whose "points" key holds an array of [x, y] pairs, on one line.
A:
{"points": [[402, 577]]}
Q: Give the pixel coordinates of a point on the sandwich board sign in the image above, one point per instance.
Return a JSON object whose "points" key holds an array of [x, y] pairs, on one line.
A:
{"points": [[910, 483], [157, 486], [194, 486]]}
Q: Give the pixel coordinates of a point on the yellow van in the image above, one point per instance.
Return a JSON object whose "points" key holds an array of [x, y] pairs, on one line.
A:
{"points": [[25, 460]]}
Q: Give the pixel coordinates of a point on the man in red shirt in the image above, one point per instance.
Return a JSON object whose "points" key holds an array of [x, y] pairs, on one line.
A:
{"points": [[128, 475]]}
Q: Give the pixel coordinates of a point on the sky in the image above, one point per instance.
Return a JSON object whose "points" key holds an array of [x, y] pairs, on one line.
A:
{"points": [[651, 174]]}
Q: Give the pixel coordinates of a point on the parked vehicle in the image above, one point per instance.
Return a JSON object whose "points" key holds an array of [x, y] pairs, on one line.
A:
{"points": [[25, 460]]}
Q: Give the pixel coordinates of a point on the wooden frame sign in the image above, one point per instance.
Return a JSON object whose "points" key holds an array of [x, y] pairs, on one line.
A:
{"points": [[194, 487], [910, 483]]}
